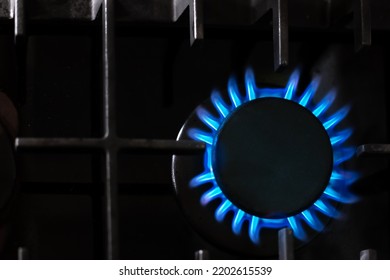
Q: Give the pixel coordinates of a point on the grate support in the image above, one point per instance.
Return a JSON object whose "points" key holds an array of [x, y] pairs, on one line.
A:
{"points": [[110, 143]]}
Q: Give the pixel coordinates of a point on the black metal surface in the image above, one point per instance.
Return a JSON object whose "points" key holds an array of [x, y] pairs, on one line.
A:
{"points": [[7, 165], [273, 158], [8, 115], [110, 143], [192, 72], [356, 11], [8, 130]]}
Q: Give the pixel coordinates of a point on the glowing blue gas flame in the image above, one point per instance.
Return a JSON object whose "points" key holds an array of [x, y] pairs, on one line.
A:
{"points": [[337, 189]]}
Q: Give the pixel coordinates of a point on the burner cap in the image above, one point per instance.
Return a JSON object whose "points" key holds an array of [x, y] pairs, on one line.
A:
{"points": [[272, 158]]}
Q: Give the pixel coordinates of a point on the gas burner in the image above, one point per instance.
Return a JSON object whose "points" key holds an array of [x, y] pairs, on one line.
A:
{"points": [[273, 160]]}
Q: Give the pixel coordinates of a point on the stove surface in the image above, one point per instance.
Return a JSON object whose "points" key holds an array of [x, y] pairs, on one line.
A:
{"points": [[57, 209]]}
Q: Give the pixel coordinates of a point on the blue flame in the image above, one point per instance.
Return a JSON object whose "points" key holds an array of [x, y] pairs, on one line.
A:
{"points": [[337, 190], [292, 85], [238, 220], [234, 92], [309, 93], [324, 104], [218, 103], [207, 118], [312, 220], [254, 229], [340, 137], [250, 84], [336, 118]]}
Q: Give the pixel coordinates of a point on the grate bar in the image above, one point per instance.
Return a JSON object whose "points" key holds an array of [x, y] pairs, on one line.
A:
{"points": [[167, 146], [20, 38], [109, 69], [111, 180], [181, 147], [23, 254], [368, 254], [373, 150], [196, 20], [19, 18], [280, 34], [362, 21], [202, 255], [111, 204], [58, 143], [286, 244]]}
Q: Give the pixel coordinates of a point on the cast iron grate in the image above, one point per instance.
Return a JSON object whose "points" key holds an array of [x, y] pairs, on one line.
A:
{"points": [[110, 143]]}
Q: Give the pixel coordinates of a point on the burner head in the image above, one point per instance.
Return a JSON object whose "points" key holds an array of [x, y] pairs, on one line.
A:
{"points": [[272, 158]]}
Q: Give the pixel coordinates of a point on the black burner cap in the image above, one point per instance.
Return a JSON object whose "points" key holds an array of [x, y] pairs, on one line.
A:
{"points": [[272, 158]]}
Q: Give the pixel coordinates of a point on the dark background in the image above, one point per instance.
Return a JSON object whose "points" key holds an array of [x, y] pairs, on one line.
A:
{"points": [[160, 81]]}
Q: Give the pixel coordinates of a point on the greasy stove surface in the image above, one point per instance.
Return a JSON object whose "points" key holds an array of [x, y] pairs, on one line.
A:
{"points": [[160, 80]]}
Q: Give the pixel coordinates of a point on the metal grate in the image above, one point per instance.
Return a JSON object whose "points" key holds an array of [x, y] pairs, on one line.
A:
{"points": [[110, 143]]}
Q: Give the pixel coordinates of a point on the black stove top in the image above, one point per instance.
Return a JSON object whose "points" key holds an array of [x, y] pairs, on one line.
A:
{"points": [[99, 114]]}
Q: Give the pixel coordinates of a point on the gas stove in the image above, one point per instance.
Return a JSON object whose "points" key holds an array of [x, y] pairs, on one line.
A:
{"points": [[194, 129]]}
